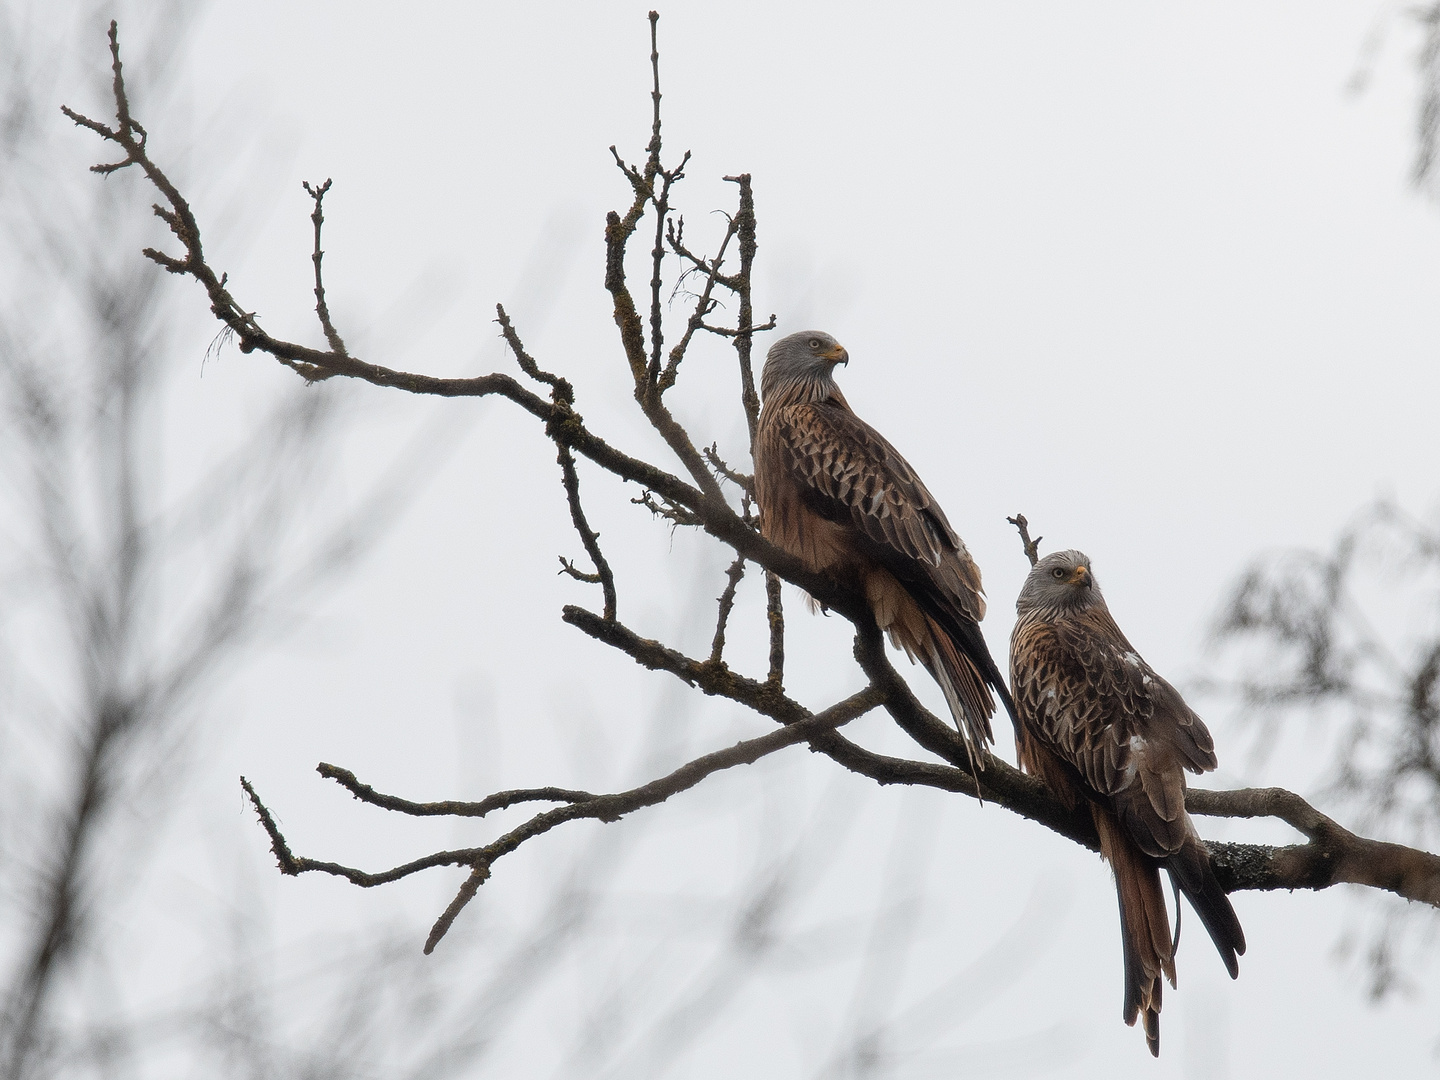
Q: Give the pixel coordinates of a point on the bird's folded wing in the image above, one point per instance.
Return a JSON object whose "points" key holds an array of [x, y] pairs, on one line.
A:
{"points": [[848, 472], [1097, 705]]}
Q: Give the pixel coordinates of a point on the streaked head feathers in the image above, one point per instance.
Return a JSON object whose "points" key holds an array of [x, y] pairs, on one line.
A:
{"points": [[806, 360], [1061, 581]]}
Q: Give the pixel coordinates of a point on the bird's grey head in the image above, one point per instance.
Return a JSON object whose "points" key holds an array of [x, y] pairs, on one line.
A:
{"points": [[801, 364], [1061, 582]]}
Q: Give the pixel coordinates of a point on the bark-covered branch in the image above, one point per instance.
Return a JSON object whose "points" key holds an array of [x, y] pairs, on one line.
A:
{"points": [[578, 805], [500, 800], [775, 618], [727, 605], [1333, 856]]}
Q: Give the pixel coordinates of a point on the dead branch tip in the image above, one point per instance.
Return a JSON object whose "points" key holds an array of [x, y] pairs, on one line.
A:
{"points": [[467, 893], [1032, 547], [278, 845]]}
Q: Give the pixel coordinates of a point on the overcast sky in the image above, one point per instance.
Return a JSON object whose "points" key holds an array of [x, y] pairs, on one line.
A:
{"points": [[1147, 273]]}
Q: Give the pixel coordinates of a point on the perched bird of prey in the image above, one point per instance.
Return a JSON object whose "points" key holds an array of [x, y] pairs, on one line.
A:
{"points": [[1101, 728], [836, 495]]}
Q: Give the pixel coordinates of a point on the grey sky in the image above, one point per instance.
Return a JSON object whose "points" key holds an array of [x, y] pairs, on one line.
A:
{"points": [[1145, 273]]}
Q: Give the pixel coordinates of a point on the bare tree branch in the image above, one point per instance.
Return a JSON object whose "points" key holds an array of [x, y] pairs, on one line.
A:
{"points": [[1031, 547], [317, 194], [727, 604], [775, 616], [501, 800], [706, 503], [601, 807], [745, 227], [1332, 854], [743, 481]]}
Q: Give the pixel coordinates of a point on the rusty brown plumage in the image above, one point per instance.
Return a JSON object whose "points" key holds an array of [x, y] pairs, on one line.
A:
{"points": [[1100, 727], [833, 492]]}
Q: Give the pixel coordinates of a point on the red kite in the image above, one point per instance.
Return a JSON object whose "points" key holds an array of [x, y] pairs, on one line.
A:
{"points": [[836, 495], [1103, 730]]}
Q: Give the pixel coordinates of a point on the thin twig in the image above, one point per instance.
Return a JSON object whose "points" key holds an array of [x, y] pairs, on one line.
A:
{"points": [[743, 332], [464, 896], [560, 389], [745, 226], [775, 617], [671, 512], [617, 233], [703, 306], [278, 846], [661, 202], [1032, 547], [727, 603], [500, 800], [591, 539], [743, 481], [698, 263], [317, 193]]}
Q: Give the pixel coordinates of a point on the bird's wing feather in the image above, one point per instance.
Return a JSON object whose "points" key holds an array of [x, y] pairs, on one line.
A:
{"points": [[1084, 693], [848, 472]]}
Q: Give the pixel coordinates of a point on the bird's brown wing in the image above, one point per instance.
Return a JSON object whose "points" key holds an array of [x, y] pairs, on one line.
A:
{"points": [[848, 473], [1087, 696]]}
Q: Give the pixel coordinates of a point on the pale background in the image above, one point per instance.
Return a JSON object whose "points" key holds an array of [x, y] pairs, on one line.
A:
{"points": [[1148, 274]]}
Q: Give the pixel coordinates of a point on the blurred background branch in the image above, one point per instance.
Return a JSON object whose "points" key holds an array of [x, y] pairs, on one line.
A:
{"points": [[128, 595], [1341, 647]]}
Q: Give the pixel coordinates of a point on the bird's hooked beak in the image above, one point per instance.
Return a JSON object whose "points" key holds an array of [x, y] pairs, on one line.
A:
{"points": [[1081, 576], [836, 355]]}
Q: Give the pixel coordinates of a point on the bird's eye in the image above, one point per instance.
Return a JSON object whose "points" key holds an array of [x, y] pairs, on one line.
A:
{"points": [[814, 343], [1057, 572]]}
